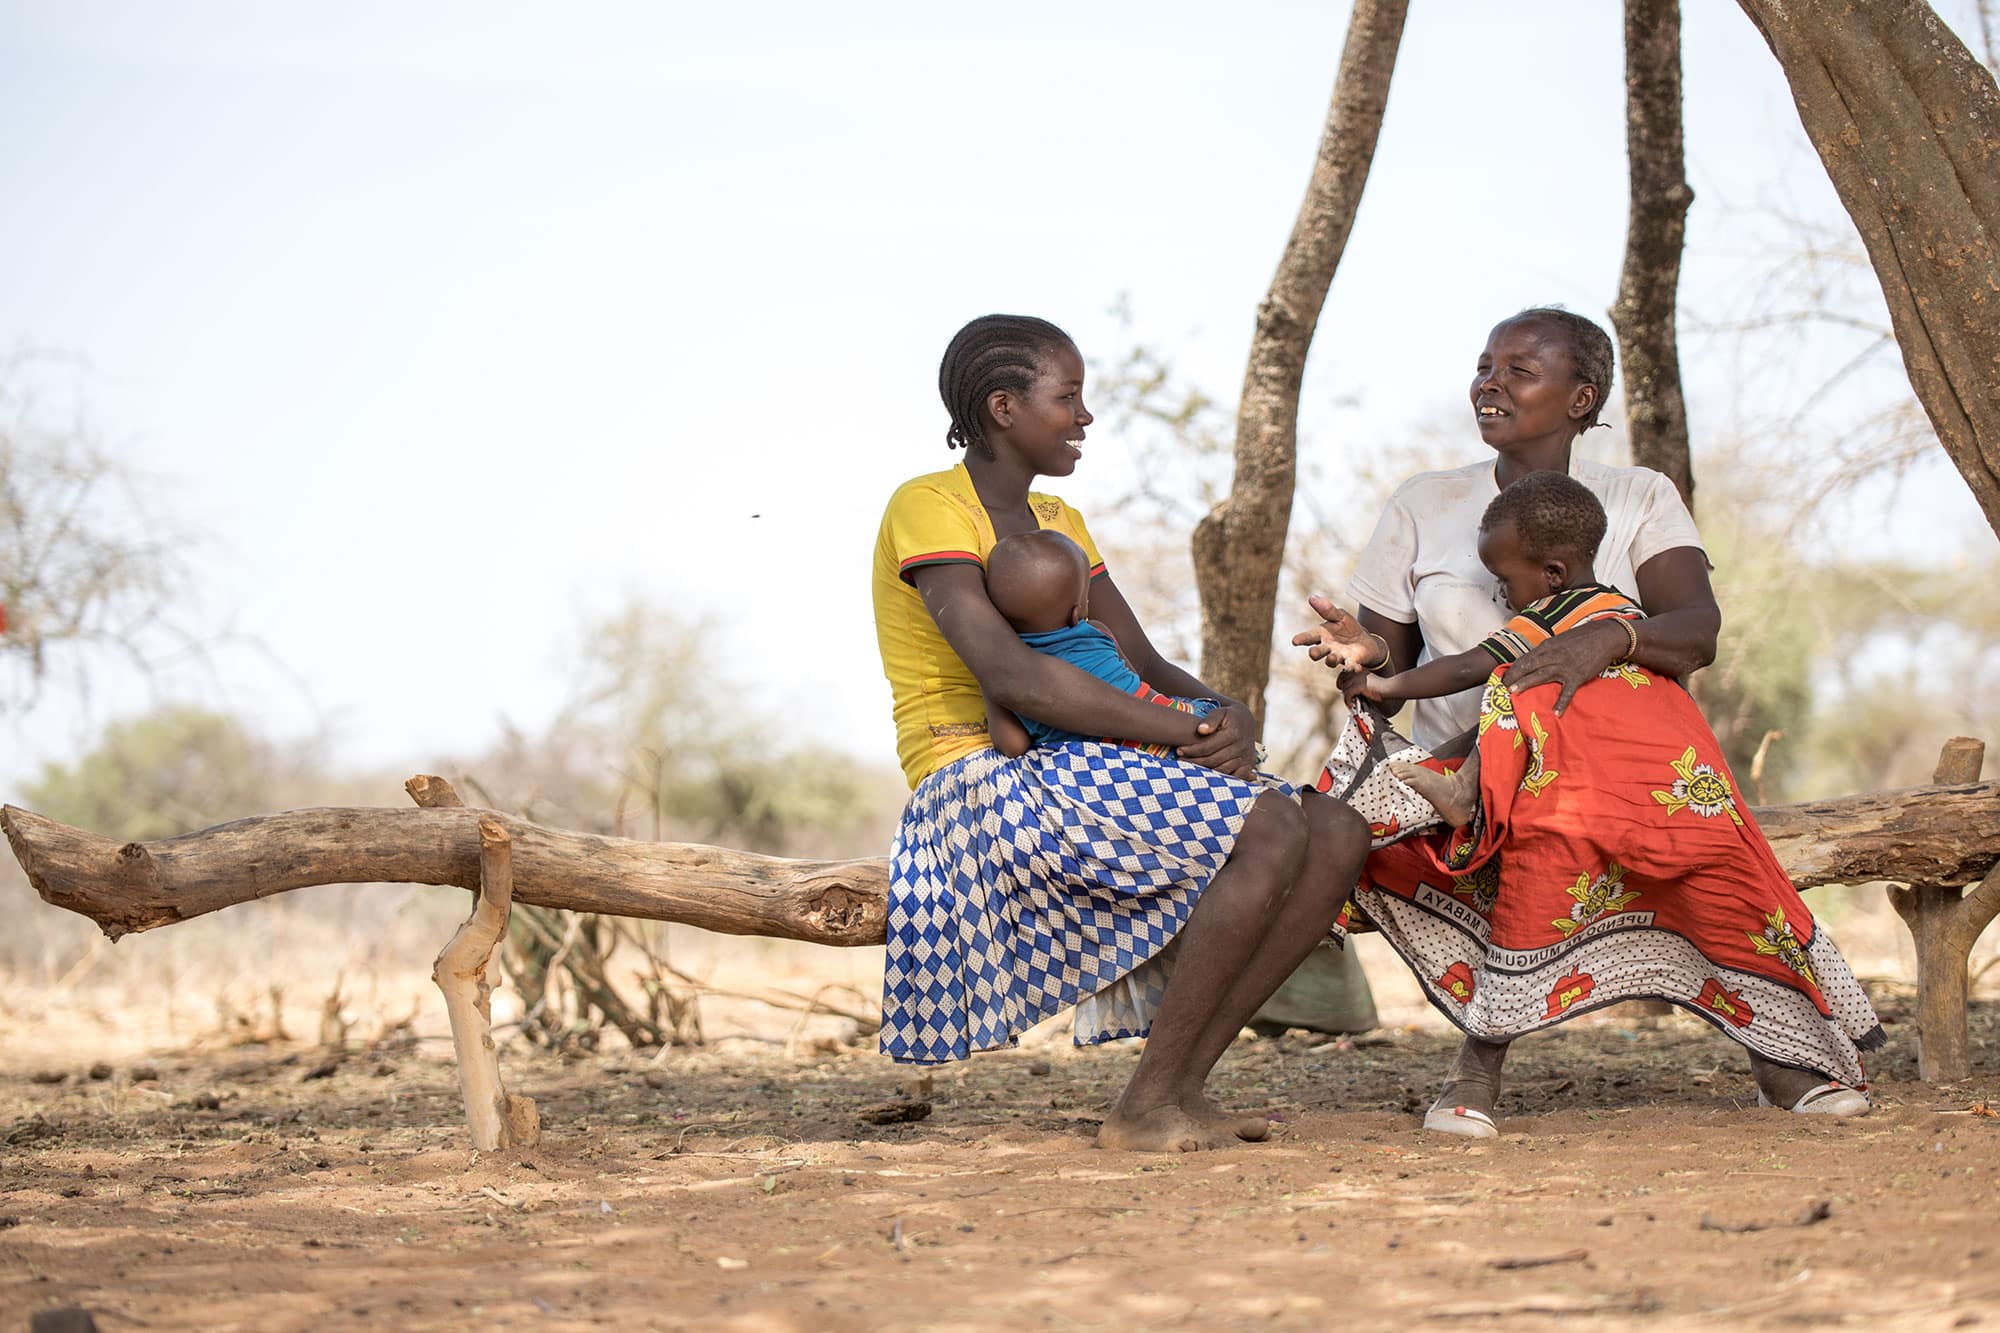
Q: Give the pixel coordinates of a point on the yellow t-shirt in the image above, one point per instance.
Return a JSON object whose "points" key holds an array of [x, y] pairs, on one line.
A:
{"points": [[938, 520]]}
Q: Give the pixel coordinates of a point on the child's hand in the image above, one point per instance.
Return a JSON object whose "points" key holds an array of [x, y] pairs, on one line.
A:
{"points": [[1368, 685]]}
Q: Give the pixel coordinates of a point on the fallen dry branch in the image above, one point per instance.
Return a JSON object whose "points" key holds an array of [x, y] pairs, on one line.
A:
{"points": [[1539, 1260], [1925, 835], [1812, 1216]]}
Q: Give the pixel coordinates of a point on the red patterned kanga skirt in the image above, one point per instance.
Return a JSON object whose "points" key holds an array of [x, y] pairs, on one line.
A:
{"points": [[1612, 860]]}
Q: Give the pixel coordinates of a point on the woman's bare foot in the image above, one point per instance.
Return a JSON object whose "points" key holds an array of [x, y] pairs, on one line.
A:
{"points": [[1456, 800], [1162, 1129], [1249, 1128]]}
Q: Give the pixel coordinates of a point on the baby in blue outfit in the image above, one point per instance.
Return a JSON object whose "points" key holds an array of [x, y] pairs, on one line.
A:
{"points": [[1040, 581]]}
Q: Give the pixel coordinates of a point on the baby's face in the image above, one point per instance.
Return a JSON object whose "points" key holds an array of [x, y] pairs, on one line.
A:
{"points": [[1523, 581]]}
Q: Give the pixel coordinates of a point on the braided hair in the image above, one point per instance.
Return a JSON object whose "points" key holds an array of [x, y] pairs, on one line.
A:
{"points": [[1589, 350], [991, 354], [1554, 514]]}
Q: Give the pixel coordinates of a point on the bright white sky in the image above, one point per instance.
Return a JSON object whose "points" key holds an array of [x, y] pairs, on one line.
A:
{"points": [[448, 326]]}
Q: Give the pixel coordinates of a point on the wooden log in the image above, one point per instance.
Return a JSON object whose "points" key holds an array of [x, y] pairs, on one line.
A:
{"points": [[1926, 835], [1945, 922], [143, 885], [498, 1120]]}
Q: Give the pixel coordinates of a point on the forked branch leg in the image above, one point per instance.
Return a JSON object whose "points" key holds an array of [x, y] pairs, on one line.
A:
{"points": [[1945, 923], [498, 1120]]}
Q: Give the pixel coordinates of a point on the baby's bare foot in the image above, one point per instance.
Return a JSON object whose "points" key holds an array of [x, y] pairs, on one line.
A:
{"points": [[1455, 800], [1249, 1128], [1162, 1129]]}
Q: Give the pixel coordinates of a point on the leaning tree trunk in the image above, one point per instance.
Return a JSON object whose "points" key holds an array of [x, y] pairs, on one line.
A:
{"points": [[1239, 545], [1907, 123], [1655, 411]]}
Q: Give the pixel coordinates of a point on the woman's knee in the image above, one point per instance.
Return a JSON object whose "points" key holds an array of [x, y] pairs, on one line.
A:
{"points": [[1274, 838], [1337, 835]]}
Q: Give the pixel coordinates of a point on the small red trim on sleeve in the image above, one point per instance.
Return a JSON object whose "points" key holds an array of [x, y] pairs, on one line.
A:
{"points": [[916, 562]]}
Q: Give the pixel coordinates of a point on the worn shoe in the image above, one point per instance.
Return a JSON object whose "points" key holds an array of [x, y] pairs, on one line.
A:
{"points": [[1826, 1099], [1463, 1121]]}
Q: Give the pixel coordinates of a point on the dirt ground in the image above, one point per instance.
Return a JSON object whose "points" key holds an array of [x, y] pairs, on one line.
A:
{"points": [[740, 1186]]}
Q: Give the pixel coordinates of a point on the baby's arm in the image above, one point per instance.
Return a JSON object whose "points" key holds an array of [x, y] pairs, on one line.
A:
{"points": [[1433, 680], [1008, 735]]}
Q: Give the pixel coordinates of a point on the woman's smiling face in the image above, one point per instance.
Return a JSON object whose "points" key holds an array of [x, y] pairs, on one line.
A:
{"points": [[1525, 388], [1046, 425]]}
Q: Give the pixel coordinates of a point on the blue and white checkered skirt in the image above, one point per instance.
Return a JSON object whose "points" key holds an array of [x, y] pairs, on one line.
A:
{"points": [[1020, 886]]}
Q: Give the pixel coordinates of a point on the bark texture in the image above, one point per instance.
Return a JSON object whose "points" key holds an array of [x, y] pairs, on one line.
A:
{"points": [[1239, 545], [1924, 835], [1907, 123], [1655, 410]]}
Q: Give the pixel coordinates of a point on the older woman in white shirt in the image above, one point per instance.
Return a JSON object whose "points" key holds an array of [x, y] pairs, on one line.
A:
{"points": [[1422, 593]]}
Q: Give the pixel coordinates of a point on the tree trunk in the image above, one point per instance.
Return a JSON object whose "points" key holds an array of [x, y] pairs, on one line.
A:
{"points": [[1239, 545], [1907, 123], [1922, 835], [1655, 411]]}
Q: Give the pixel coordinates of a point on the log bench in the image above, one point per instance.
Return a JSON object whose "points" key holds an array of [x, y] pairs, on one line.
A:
{"points": [[1937, 840]]}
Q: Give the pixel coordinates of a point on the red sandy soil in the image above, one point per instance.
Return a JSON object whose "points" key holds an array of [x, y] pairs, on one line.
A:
{"points": [[739, 1187]]}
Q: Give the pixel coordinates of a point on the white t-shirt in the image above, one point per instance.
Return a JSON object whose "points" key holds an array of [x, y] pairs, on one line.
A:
{"points": [[1422, 565]]}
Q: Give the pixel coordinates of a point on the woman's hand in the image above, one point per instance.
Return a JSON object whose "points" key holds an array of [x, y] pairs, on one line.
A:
{"points": [[1581, 655], [1338, 640], [1228, 743]]}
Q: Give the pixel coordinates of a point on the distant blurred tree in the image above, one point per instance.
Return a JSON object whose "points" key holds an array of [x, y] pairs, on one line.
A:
{"points": [[658, 742], [81, 561], [1761, 685], [1914, 657], [169, 772]]}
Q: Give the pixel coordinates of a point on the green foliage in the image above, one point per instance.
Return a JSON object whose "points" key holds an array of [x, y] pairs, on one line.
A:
{"points": [[162, 774], [1915, 660], [1762, 679], [657, 742]]}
